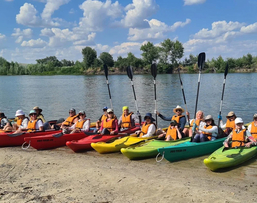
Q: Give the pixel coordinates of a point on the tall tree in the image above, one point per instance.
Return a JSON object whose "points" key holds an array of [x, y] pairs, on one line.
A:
{"points": [[89, 55], [107, 59], [150, 53]]}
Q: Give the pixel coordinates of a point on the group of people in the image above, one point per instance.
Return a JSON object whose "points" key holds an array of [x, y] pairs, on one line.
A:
{"points": [[201, 129]]}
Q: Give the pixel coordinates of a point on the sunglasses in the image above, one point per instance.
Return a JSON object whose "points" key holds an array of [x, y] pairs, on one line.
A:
{"points": [[207, 120], [110, 112], [178, 110], [71, 111], [81, 114], [33, 114]]}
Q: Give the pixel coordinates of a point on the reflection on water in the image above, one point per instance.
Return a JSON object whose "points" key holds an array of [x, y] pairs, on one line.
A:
{"points": [[57, 94]]}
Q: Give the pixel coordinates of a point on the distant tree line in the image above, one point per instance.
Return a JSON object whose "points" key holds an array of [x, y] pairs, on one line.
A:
{"points": [[167, 56]]}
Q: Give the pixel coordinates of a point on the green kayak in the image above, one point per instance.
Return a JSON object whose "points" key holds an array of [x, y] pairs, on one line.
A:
{"points": [[230, 157], [149, 149], [189, 149]]}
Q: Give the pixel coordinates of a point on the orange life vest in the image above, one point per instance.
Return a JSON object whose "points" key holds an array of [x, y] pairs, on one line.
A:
{"points": [[209, 135], [230, 124], [197, 122], [19, 121], [108, 124], [144, 129], [80, 123], [32, 126], [103, 117], [238, 139], [69, 120], [254, 130], [126, 121], [172, 132], [177, 118]]}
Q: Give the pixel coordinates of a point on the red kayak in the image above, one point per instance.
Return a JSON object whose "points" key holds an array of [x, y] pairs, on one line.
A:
{"points": [[85, 143], [53, 140], [10, 139]]}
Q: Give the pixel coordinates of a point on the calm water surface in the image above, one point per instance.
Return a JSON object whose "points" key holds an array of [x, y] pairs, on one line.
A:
{"points": [[57, 94]]}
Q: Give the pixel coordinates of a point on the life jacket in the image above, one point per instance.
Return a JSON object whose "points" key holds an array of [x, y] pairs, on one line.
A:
{"points": [[238, 139], [254, 131], [209, 135], [108, 124], [103, 117], [172, 132], [32, 126], [19, 121], [144, 129], [177, 118], [197, 122], [80, 123], [69, 120], [126, 121], [230, 124]]}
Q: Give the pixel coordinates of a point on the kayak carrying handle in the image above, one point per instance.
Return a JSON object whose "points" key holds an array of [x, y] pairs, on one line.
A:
{"points": [[158, 156], [23, 145]]}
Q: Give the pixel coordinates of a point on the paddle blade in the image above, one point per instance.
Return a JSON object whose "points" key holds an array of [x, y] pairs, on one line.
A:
{"points": [[226, 71], [106, 71], [154, 70], [201, 60], [130, 72]]}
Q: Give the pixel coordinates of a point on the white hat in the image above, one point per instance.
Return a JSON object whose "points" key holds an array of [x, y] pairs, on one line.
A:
{"points": [[109, 110], [239, 120], [178, 107], [19, 113], [209, 117]]}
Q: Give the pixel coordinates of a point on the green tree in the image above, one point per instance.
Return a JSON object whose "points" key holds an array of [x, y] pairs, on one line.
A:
{"points": [[89, 55], [150, 53], [107, 59]]}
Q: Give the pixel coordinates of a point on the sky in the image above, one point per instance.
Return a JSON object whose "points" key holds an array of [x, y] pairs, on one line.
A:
{"points": [[35, 29]]}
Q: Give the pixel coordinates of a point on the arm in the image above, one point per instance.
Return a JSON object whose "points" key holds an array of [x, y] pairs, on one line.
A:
{"points": [[39, 125], [115, 125], [179, 133], [72, 127], [165, 118], [24, 124], [226, 142], [222, 126], [86, 126], [151, 131], [182, 122], [133, 120], [120, 121], [213, 130]]}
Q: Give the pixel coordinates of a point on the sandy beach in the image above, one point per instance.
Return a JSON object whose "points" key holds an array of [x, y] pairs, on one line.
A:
{"points": [[60, 175]]}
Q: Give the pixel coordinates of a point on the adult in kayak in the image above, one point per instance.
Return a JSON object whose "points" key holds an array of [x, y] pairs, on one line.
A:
{"points": [[199, 122], [181, 119], [173, 132], [127, 119], [39, 114], [148, 129], [207, 133], [239, 137], [21, 122], [110, 124], [229, 126], [83, 124], [3, 120], [99, 121], [252, 128]]}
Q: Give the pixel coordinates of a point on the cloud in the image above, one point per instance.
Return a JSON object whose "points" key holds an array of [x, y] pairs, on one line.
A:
{"points": [[156, 30], [38, 43], [2, 36], [249, 29], [125, 48], [9, 0], [27, 15], [50, 7], [20, 34], [137, 12], [191, 2]]}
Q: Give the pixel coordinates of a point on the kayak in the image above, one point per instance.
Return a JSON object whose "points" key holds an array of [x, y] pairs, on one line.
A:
{"points": [[228, 158], [10, 139], [53, 140], [85, 144], [117, 145], [149, 149], [189, 149]]}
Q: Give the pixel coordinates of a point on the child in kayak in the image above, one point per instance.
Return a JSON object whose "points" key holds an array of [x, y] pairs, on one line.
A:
{"points": [[173, 132], [239, 137], [148, 129]]}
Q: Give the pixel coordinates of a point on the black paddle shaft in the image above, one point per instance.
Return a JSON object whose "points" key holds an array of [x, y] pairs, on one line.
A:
{"points": [[183, 93], [154, 74], [107, 82]]}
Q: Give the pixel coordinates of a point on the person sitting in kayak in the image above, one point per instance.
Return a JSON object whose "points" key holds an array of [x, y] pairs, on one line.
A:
{"points": [[34, 124], [239, 137], [181, 119], [3, 120], [252, 128], [229, 126], [110, 124], [39, 114], [148, 129], [21, 122], [207, 133], [127, 119], [199, 121], [173, 132], [99, 121], [83, 124]]}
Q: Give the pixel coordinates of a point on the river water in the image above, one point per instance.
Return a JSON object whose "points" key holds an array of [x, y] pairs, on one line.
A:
{"points": [[57, 94]]}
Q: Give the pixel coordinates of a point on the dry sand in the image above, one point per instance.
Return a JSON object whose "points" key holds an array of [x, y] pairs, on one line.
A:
{"points": [[61, 175]]}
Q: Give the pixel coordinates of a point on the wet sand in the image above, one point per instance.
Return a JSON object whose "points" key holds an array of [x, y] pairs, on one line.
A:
{"points": [[60, 175]]}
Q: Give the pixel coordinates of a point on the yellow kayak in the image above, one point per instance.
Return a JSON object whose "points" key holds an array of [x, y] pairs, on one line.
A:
{"points": [[92, 125], [103, 147]]}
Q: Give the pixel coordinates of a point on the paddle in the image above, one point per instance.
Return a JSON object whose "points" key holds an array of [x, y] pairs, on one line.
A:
{"points": [[224, 82], [130, 75], [182, 88], [107, 82], [154, 74]]}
